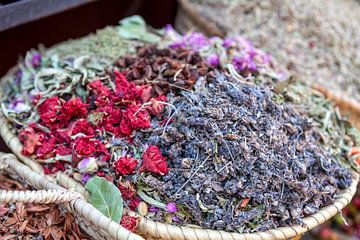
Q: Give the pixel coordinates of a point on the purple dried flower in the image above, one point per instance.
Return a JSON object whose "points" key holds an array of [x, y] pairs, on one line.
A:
{"points": [[36, 60], [228, 42], [87, 165], [84, 178], [171, 207], [18, 105], [175, 218], [154, 209], [213, 60]]}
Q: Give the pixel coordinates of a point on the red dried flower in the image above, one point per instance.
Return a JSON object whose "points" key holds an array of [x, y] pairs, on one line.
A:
{"points": [[125, 165], [47, 149], [110, 119], [82, 126], [74, 108], [30, 140], [49, 113], [129, 222], [100, 174], [63, 150], [134, 203], [154, 161], [156, 108], [84, 147], [102, 93], [138, 119], [125, 127], [125, 90], [55, 167], [127, 190]]}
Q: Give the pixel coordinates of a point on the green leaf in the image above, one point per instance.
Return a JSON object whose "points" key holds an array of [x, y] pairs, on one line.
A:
{"points": [[106, 197], [134, 27]]}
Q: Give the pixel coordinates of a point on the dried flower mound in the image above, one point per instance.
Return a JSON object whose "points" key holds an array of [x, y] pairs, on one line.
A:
{"points": [[127, 190], [138, 118], [82, 126], [157, 107], [49, 111], [125, 165], [126, 90], [74, 108], [30, 139], [129, 222], [154, 161], [47, 149]]}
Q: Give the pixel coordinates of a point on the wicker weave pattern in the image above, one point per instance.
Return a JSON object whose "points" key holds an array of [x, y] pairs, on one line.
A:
{"points": [[88, 217]]}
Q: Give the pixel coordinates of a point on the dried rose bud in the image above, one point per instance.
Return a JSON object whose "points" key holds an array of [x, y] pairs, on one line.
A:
{"points": [[171, 207], [87, 165]]}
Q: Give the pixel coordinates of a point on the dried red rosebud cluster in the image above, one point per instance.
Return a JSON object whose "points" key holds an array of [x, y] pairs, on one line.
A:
{"points": [[77, 129], [163, 70]]}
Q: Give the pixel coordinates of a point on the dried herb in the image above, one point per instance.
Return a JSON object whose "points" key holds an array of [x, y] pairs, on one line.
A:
{"points": [[184, 131], [239, 161]]}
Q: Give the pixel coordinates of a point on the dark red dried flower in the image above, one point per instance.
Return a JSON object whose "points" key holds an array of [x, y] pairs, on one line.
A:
{"points": [[154, 161], [125, 165], [127, 190], [82, 126], [129, 222], [84, 147], [138, 118], [49, 113], [157, 107], [125, 90], [63, 150], [30, 139], [134, 203], [74, 108], [102, 92], [47, 149]]}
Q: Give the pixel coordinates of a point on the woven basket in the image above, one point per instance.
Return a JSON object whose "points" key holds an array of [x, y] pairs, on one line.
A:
{"points": [[188, 19], [93, 222], [101, 227]]}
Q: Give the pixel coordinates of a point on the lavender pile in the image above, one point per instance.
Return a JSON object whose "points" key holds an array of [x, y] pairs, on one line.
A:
{"points": [[240, 162]]}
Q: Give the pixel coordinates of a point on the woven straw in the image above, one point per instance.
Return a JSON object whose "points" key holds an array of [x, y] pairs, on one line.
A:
{"points": [[101, 227], [89, 218]]}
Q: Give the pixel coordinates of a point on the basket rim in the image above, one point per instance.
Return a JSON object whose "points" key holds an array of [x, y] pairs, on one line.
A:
{"points": [[168, 231]]}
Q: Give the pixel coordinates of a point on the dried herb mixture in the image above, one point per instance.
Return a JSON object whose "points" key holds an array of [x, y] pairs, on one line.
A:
{"points": [[180, 128]]}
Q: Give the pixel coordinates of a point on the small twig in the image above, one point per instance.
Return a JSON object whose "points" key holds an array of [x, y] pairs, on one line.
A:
{"points": [[192, 175]]}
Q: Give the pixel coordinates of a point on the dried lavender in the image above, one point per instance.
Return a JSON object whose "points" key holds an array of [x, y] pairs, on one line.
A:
{"points": [[241, 162]]}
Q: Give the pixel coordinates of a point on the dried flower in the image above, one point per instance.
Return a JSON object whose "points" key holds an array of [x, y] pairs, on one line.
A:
{"points": [[171, 207], [30, 139], [84, 147], [138, 118], [157, 107], [49, 111], [127, 190], [81, 126], [129, 222], [46, 149], [153, 161], [36, 59], [87, 165], [125, 165], [213, 60], [74, 108]]}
